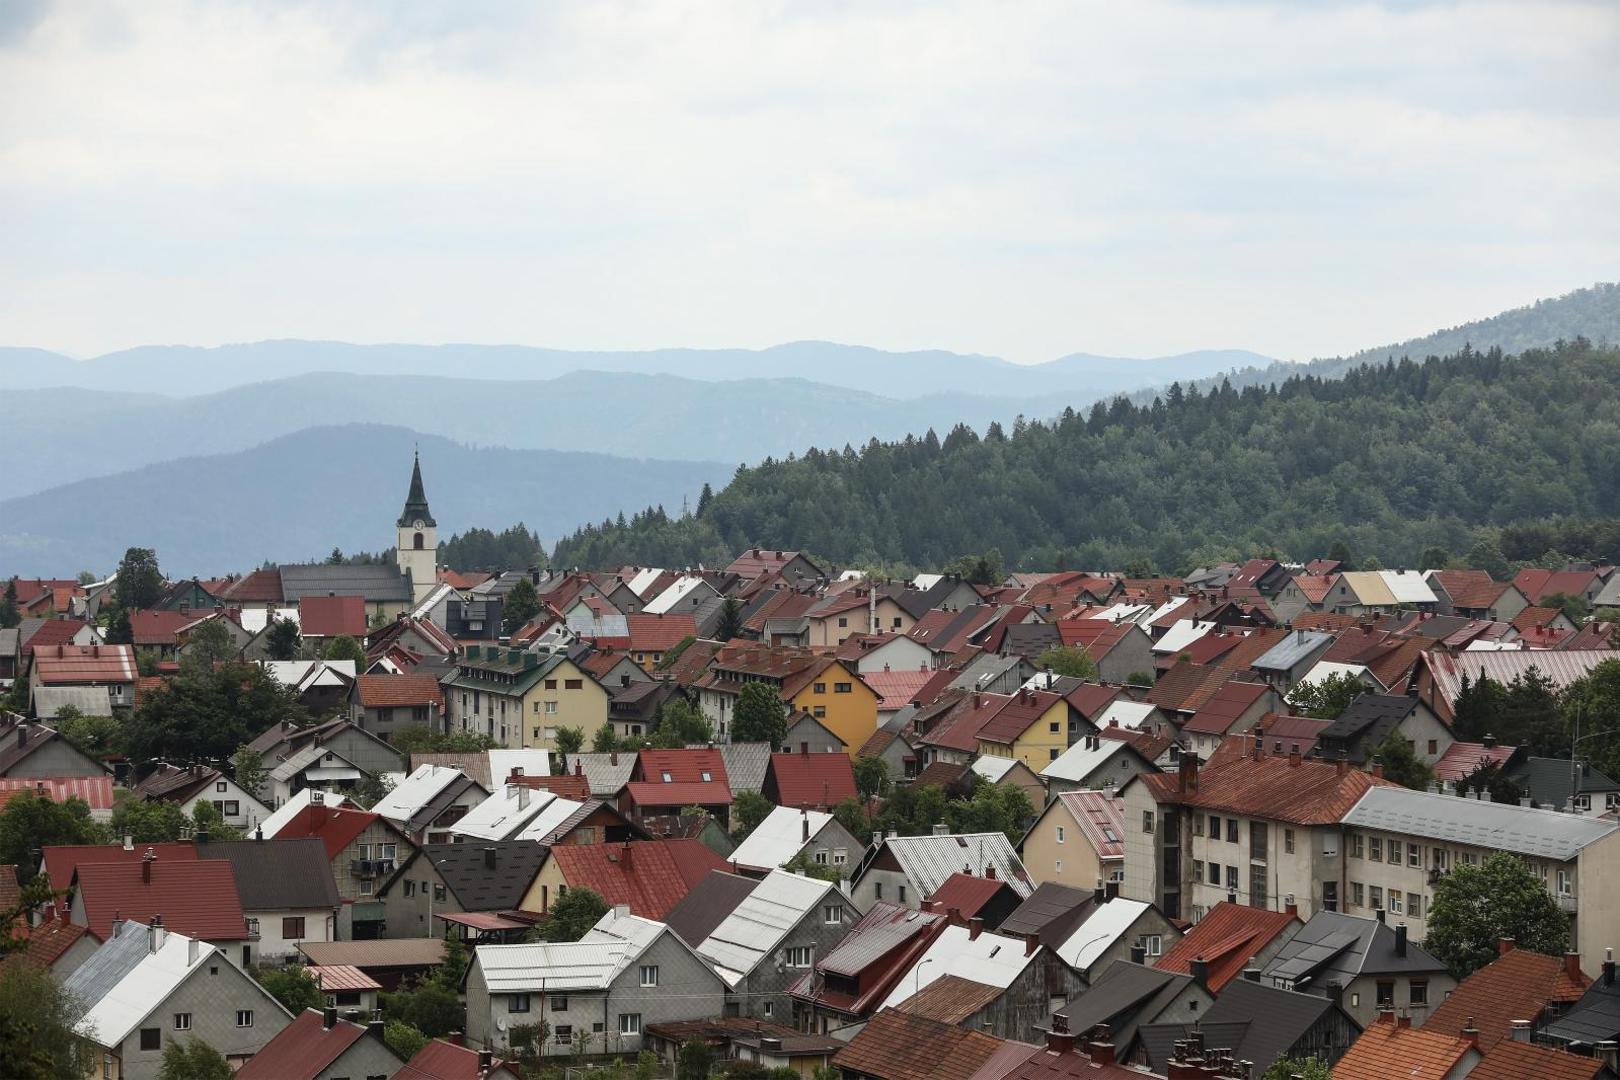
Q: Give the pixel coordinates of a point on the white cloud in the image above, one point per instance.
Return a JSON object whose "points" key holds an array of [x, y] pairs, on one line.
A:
{"points": [[1024, 180]]}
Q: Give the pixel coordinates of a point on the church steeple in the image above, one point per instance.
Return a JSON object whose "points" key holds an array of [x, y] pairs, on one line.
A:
{"points": [[416, 514]]}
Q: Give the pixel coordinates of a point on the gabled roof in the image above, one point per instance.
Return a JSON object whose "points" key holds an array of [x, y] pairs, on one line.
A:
{"points": [[951, 999], [782, 835], [708, 904], [1539, 584], [121, 983], [1280, 789], [1462, 759], [1227, 938], [652, 876], [817, 781], [1523, 830], [1256, 1023], [79, 664], [302, 1050], [439, 1060], [1017, 714], [47, 942], [1387, 1049], [336, 826], [19, 740], [928, 860], [1051, 912], [61, 861], [487, 875], [376, 582], [990, 958], [749, 935], [391, 691], [967, 894], [1336, 947], [1223, 708], [197, 897], [273, 875], [896, 1045], [553, 966], [1100, 816], [1469, 589], [1084, 758], [1517, 985], [1292, 650], [414, 797]]}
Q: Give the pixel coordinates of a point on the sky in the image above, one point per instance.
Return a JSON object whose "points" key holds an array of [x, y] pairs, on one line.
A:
{"points": [[1024, 180]]}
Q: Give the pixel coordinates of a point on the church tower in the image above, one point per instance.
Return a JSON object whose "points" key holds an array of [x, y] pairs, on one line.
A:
{"points": [[417, 548]]}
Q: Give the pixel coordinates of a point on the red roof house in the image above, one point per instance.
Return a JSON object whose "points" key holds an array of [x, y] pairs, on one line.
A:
{"points": [[197, 898], [439, 1060], [651, 876], [1229, 938], [806, 781], [310, 1048], [332, 616]]}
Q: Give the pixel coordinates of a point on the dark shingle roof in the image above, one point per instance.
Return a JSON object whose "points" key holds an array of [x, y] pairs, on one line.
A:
{"points": [[479, 886], [1257, 1023], [1052, 912], [708, 904], [375, 582], [273, 875]]}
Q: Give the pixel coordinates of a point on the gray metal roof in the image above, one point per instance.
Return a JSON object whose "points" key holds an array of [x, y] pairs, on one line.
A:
{"points": [[1298, 646], [606, 773], [1549, 781], [929, 860], [745, 764], [1052, 911], [1334, 947], [89, 700], [374, 582], [1523, 830]]}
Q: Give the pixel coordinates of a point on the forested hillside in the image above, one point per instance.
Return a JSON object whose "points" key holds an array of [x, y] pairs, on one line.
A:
{"points": [[1391, 460]]}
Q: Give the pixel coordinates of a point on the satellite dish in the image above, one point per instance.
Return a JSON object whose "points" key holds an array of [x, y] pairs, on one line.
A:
{"points": [[500, 1023]]}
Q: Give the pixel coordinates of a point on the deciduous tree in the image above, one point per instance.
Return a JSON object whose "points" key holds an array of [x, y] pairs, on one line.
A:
{"points": [[1476, 905]]}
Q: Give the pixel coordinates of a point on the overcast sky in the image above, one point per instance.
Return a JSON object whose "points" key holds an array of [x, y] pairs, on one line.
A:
{"points": [[1020, 179]]}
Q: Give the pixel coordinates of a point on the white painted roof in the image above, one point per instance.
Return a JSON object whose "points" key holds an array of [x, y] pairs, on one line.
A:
{"points": [[255, 619], [415, 791], [1408, 586], [123, 981], [1128, 714], [503, 814], [752, 931], [636, 933], [532, 762], [929, 860], [993, 768], [303, 674], [643, 579], [1167, 607], [289, 809], [926, 581], [990, 958], [852, 575], [778, 838], [1125, 612], [1080, 761], [1099, 932], [438, 594], [1180, 635], [554, 814], [552, 966], [667, 600], [1324, 669]]}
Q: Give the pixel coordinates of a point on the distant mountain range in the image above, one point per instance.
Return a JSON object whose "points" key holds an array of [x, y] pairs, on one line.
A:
{"points": [[295, 498]]}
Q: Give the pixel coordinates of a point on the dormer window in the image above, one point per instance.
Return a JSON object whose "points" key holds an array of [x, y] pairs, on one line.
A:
{"points": [[706, 776], [667, 777]]}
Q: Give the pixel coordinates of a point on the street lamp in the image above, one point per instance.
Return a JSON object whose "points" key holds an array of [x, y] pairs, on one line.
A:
{"points": [[916, 981], [1082, 947]]}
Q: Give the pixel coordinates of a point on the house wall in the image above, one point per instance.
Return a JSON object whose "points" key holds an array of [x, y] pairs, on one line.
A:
{"points": [[1118, 768], [763, 992], [350, 884], [832, 630], [1069, 861], [384, 722], [1044, 741], [249, 811], [851, 716], [883, 880], [1597, 926], [56, 758], [1299, 873], [1151, 930], [320, 924], [819, 739], [900, 653], [530, 719], [366, 1057], [833, 845], [1133, 653], [212, 994], [1024, 1010], [413, 897]]}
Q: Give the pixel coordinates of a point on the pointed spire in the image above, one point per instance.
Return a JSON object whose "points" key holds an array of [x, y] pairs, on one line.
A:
{"points": [[416, 504]]}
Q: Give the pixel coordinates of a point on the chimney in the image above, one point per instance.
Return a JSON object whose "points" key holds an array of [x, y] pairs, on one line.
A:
{"points": [[1188, 774], [1110, 890], [375, 1026], [1251, 974], [804, 748], [1099, 1048], [975, 928], [489, 858], [1379, 914], [1521, 1031], [1099, 894], [621, 911], [579, 767], [1341, 764], [1289, 905], [1488, 741], [613, 758], [1138, 954], [1031, 943], [22, 735], [1572, 965], [1198, 968], [954, 915], [193, 951], [1293, 757], [624, 858], [1377, 767], [328, 1019], [990, 873], [1470, 1033], [1608, 968], [804, 826], [146, 866], [1504, 946], [158, 934], [1400, 940], [129, 842], [1404, 1020], [1058, 1038]]}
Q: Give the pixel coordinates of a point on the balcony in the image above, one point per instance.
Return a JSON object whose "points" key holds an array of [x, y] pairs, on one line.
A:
{"points": [[371, 868], [1566, 903]]}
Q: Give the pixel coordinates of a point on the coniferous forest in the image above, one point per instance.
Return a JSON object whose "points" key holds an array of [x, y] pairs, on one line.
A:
{"points": [[1520, 453]]}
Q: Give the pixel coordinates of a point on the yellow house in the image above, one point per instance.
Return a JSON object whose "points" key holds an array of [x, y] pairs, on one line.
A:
{"points": [[833, 692], [1079, 840], [824, 686], [1032, 727], [521, 698]]}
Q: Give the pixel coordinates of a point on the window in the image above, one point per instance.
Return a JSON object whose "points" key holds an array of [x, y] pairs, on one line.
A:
{"points": [[1565, 886], [902, 890], [1215, 874], [1052, 754], [1396, 907], [819, 688], [1358, 846], [768, 1010], [843, 621], [518, 1003], [705, 775], [1386, 995], [222, 786], [1414, 905], [1060, 834], [799, 956], [1375, 848], [438, 892], [832, 914], [365, 852], [819, 711], [253, 927], [182, 1021], [877, 890], [573, 684], [840, 856], [1198, 869], [292, 927], [563, 1033], [1231, 878], [410, 887], [666, 777], [551, 684], [1231, 830], [559, 1003], [244, 1017], [1434, 747], [1441, 858], [1053, 727], [1147, 821], [1154, 944], [1198, 825], [1214, 827], [1258, 882], [551, 708], [897, 622], [1357, 894], [1375, 896], [1418, 993], [843, 688], [1414, 856], [1288, 841], [821, 858], [151, 1039], [629, 1023], [1057, 866], [649, 974]]}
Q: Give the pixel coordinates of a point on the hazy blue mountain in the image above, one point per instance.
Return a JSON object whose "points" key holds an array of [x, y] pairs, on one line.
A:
{"points": [[295, 497], [901, 375], [657, 416]]}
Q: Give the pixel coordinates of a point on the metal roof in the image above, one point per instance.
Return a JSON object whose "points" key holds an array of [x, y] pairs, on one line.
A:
{"points": [[929, 860], [777, 839], [1291, 650], [1408, 586], [288, 810], [1181, 634], [992, 959], [124, 980], [1100, 931], [752, 930], [1523, 830], [1126, 713], [416, 791], [375, 582], [89, 700], [504, 814], [674, 595], [708, 904], [552, 966], [1081, 760], [992, 768], [377, 953], [608, 773], [550, 819], [277, 875]]}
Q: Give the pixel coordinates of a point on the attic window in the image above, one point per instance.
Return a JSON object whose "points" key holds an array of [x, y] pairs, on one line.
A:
{"points": [[706, 776], [994, 951], [666, 777], [961, 842]]}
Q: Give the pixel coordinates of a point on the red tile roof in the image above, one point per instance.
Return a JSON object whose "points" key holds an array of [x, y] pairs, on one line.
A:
{"points": [[1389, 1049], [55, 632], [1470, 589], [681, 766], [648, 794], [1539, 584], [1226, 938], [80, 665], [337, 827], [897, 688], [756, 561], [1224, 707], [965, 894], [96, 791], [197, 898], [1017, 714], [1525, 1061], [1209, 648], [331, 616], [658, 633], [1095, 636], [302, 1050], [1330, 621], [1186, 686], [439, 1060], [49, 941], [897, 1045], [814, 781], [390, 691], [1280, 789], [259, 587], [1101, 817], [651, 876], [61, 860], [1518, 985], [342, 977], [573, 786], [154, 628], [1462, 759]]}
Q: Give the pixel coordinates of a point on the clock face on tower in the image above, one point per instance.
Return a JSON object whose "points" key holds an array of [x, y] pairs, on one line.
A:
{"points": [[417, 523]]}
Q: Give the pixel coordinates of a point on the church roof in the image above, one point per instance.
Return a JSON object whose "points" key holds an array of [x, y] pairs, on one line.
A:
{"points": [[416, 504]]}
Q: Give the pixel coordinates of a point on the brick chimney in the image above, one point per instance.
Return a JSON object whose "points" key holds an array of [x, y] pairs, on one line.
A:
{"points": [[1572, 965], [975, 928], [1470, 1033], [146, 866], [1187, 776], [1058, 1038], [1504, 946]]}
